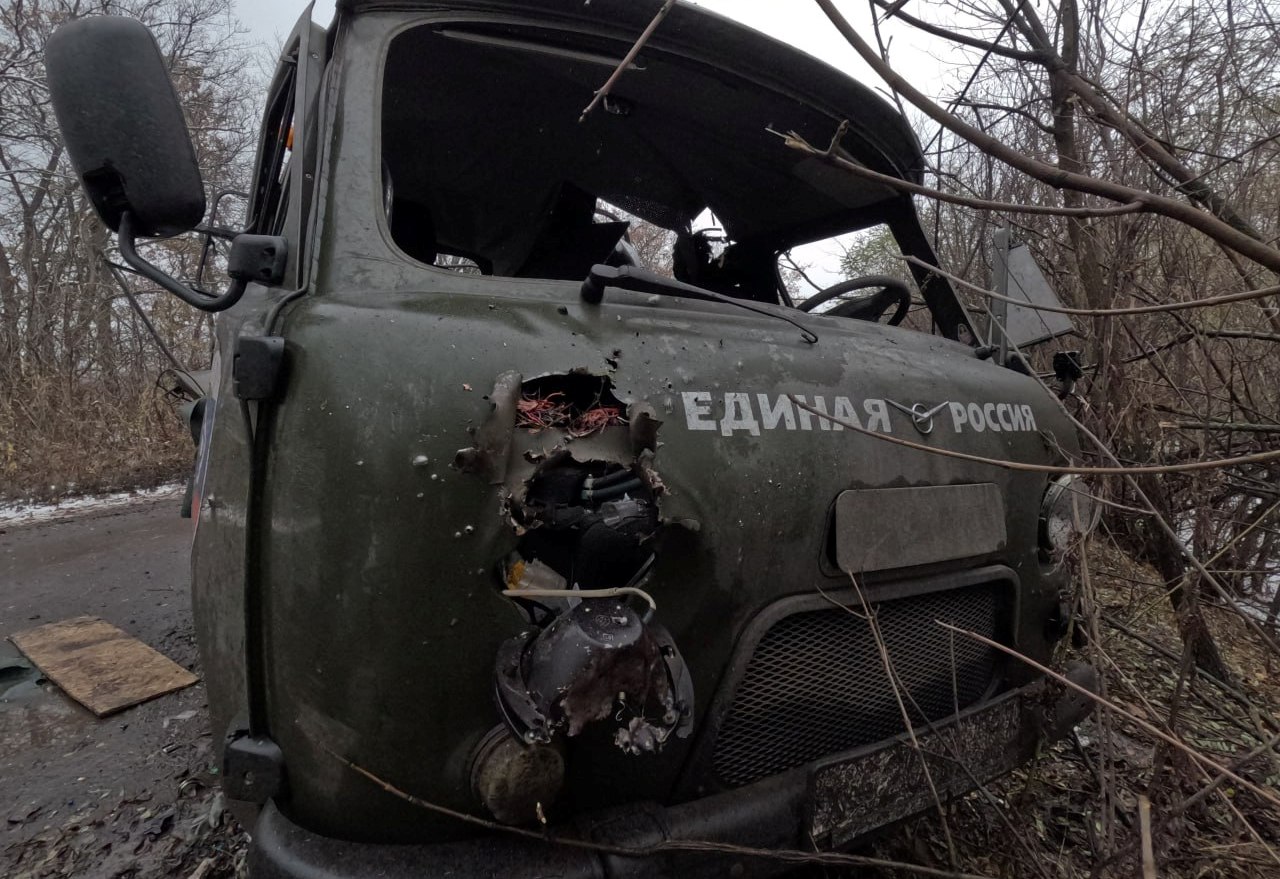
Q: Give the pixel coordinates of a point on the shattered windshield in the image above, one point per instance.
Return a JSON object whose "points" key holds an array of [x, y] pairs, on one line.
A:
{"points": [[486, 166]]}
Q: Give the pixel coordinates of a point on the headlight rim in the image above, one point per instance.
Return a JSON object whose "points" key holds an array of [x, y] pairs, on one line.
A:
{"points": [[1069, 512]]}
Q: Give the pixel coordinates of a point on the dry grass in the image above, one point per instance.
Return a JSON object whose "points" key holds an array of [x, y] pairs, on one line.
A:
{"points": [[58, 440], [1076, 808]]}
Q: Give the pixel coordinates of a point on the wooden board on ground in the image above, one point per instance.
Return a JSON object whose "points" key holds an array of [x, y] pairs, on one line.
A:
{"points": [[101, 667]]}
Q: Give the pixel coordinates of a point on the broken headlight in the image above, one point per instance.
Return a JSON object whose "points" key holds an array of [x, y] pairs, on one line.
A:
{"points": [[596, 661], [1069, 512], [586, 536]]}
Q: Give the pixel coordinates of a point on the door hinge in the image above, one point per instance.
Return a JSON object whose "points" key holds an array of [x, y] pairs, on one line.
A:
{"points": [[258, 367]]}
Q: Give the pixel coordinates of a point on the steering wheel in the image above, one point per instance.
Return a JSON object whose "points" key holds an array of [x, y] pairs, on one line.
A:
{"points": [[870, 307]]}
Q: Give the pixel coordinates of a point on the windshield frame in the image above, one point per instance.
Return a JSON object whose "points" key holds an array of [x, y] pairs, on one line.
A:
{"points": [[352, 172]]}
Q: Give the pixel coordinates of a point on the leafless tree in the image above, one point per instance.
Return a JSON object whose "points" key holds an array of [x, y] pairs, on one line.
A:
{"points": [[1136, 149], [1167, 112], [77, 363]]}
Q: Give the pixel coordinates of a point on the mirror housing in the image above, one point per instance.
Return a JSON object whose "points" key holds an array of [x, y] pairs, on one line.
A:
{"points": [[122, 125]]}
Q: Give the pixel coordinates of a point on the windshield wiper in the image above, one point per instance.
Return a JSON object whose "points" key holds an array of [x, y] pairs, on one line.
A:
{"points": [[644, 281]]}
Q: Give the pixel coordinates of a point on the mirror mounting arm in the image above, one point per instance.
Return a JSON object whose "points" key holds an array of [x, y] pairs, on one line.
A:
{"points": [[216, 232], [131, 256], [264, 256]]}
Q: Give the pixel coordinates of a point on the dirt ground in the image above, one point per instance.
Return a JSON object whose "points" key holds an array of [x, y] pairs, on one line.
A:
{"points": [[133, 794]]}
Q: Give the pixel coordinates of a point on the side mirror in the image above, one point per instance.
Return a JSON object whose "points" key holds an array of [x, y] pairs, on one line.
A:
{"points": [[122, 125]]}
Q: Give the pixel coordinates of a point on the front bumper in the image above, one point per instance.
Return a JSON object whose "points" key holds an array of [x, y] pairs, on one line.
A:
{"points": [[830, 804]]}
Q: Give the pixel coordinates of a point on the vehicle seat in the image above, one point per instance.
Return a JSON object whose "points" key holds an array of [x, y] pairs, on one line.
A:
{"points": [[571, 242]]}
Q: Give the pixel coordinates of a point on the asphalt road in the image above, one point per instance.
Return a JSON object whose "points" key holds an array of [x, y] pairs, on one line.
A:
{"points": [[133, 794]]}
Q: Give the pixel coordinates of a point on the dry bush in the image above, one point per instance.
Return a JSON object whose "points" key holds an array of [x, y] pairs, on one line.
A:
{"points": [[89, 437], [1074, 811], [78, 364], [1168, 107]]}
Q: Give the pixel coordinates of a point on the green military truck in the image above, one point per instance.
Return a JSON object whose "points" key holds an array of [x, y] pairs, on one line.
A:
{"points": [[497, 517]]}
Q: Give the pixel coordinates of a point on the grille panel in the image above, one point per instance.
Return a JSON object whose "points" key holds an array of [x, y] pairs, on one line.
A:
{"points": [[816, 684]]}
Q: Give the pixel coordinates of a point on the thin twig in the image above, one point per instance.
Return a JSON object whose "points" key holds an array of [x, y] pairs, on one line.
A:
{"points": [[1195, 799], [895, 685], [1025, 467], [1239, 697], [1238, 426], [790, 856], [901, 691], [1270, 796], [1148, 851], [626, 61], [1244, 296], [796, 142], [1160, 521]]}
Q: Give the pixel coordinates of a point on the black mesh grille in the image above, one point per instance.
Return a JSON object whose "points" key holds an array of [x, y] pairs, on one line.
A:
{"points": [[816, 684]]}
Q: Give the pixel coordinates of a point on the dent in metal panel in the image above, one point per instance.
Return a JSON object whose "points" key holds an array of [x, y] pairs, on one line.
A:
{"points": [[883, 528]]}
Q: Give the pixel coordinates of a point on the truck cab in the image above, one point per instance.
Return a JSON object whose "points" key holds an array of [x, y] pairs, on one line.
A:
{"points": [[521, 548]]}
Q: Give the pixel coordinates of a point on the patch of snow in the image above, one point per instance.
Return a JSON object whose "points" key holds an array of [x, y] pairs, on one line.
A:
{"points": [[24, 514]]}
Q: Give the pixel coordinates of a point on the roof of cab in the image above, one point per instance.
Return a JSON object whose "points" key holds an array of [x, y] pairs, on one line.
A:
{"points": [[878, 136]]}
